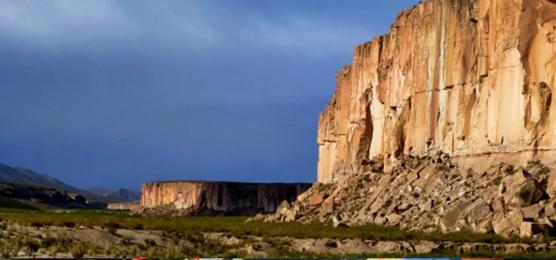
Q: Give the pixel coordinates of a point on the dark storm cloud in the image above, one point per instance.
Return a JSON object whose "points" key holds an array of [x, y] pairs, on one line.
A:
{"points": [[114, 93]]}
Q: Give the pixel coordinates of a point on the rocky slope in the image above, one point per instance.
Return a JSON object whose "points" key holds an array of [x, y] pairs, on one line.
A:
{"points": [[216, 198], [471, 78], [432, 193]]}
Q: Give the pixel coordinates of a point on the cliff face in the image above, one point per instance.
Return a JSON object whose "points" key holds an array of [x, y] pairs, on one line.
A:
{"points": [[199, 198], [471, 78]]}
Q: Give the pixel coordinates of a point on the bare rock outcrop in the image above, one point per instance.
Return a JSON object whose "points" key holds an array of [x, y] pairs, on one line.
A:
{"points": [[471, 78], [216, 198], [432, 193]]}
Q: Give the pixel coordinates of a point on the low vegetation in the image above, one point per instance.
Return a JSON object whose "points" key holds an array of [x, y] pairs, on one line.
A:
{"points": [[9, 203], [191, 230], [236, 226]]}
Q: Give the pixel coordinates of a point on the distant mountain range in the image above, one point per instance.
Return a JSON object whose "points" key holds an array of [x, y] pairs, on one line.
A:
{"points": [[26, 176], [123, 195], [28, 179]]}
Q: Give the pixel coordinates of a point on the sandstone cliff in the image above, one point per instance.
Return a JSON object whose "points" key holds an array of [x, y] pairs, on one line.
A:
{"points": [[471, 78], [209, 198]]}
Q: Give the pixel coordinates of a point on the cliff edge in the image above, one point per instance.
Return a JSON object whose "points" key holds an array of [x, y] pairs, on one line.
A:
{"points": [[470, 78]]}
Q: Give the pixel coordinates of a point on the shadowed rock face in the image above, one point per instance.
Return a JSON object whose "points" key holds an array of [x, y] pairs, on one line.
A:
{"points": [[471, 78], [221, 198]]}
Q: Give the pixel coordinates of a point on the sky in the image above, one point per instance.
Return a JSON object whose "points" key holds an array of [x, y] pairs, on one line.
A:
{"points": [[113, 93]]}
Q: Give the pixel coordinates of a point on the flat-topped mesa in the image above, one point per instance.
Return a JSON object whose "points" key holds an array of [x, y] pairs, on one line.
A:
{"points": [[471, 78], [218, 198]]}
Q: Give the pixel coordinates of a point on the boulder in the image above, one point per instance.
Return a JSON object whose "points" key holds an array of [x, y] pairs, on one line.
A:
{"points": [[331, 244], [531, 193], [425, 247], [316, 199], [394, 219], [478, 210], [337, 222], [448, 221], [551, 184], [550, 208], [382, 247], [526, 229], [507, 224], [497, 204], [532, 212], [529, 229], [327, 207]]}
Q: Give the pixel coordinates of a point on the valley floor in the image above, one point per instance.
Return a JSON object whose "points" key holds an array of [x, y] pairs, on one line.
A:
{"points": [[76, 233]]}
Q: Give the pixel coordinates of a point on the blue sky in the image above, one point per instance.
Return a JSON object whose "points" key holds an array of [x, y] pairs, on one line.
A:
{"points": [[114, 93]]}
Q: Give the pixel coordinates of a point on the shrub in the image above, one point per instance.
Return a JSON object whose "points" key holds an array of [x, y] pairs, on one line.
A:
{"points": [[111, 224], [111, 227], [78, 250], [137, 226], [53, 251], [149, 242], [32, 245], [48, 241], [38, 224], [69, 224], [5, 250]]}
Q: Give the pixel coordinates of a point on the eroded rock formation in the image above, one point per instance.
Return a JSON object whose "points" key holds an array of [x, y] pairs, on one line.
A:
{"points": [[471, 78], [212, 198]]}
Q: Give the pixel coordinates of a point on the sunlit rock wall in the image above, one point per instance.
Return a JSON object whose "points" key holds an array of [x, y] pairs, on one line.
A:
{"points": [[471, 78], [219, 197]]}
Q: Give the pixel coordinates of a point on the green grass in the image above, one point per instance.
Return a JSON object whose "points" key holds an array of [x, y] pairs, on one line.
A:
{"points": [[6, 202], [236, 226]]}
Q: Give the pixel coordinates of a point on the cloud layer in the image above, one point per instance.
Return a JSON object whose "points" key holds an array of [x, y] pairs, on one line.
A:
{"points": [[113, 93]]}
